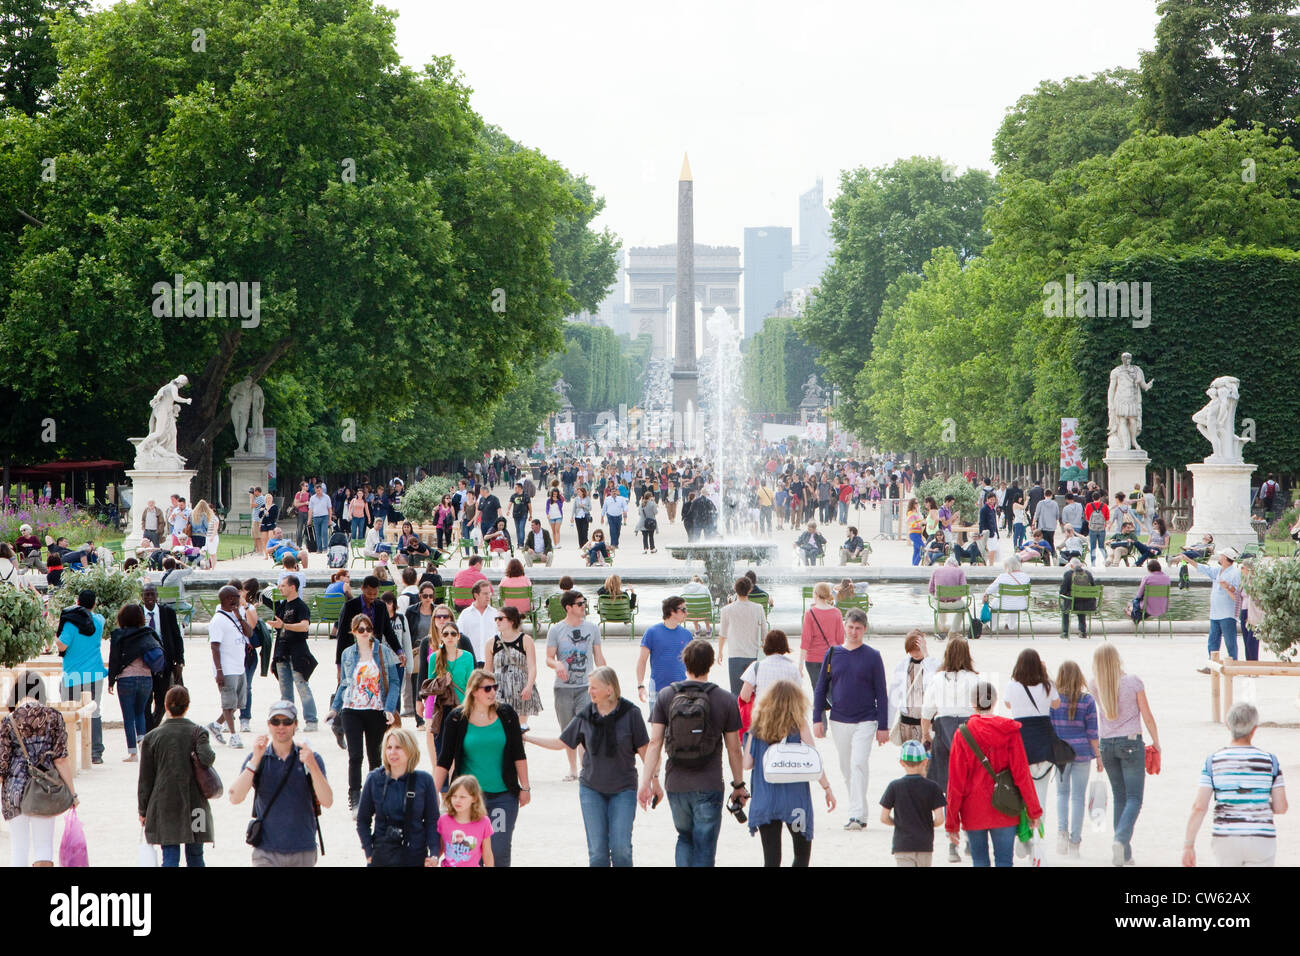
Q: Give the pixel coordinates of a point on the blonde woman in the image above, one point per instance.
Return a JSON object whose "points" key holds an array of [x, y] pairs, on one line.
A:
{"points": [[781, 715], [1075, 723], [613, 588], [482, 738], [1122, 710], [382, 818], [823, 628]]}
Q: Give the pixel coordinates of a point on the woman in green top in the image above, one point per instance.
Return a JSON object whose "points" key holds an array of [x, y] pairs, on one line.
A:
{"points": [[451, 660]]}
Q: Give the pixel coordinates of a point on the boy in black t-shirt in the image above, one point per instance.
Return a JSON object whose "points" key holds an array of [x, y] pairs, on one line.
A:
{"points": [[917, 803]]}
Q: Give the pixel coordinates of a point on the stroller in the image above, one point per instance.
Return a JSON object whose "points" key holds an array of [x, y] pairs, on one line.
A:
{"points": [[337, 556]]}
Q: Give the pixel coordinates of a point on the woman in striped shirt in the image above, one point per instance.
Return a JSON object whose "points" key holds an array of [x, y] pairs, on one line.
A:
{"points": [[1075, 723]]}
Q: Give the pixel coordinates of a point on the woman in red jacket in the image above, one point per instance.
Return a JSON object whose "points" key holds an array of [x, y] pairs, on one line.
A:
{"points": [[970, 785]]}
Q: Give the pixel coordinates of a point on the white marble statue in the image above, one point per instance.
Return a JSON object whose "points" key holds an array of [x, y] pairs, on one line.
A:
{"points": [[246, 405], [158, 448], [1124, 405], [1217, 422]]}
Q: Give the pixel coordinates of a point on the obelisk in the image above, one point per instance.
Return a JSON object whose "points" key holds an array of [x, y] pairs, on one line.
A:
{"points": [[685, 374]]}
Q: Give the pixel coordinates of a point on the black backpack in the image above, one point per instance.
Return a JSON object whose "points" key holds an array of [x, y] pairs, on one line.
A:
{"points": [[689, 742]]}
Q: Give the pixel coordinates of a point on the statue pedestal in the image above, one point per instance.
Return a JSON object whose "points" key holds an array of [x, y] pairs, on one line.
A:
{"points": [[246, 471], [156, 485], [1221, 504], [1124, 469]]}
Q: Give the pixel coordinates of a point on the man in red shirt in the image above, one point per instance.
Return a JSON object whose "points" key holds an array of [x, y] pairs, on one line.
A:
{"points": [[466, 578]]}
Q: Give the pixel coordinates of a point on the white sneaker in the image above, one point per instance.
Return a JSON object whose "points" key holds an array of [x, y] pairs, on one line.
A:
{"points": [[1074, 849], [1117, 853], [235, 742], [215, 730], [1062, 843], [855, 825], [243, 727]]}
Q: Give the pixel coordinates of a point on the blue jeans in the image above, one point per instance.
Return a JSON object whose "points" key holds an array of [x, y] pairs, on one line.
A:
{"points": [[171, 854], [246, 712], [96, 688], [615, 525], [1004, 845], [1096, 546], [133, 693], [917, 544], [289, 679], [844, 512], [1071, 788], [358, 529], [697, 815], [320, 526], [608, 819], [1249, 641], [521, 529], [1227, 629], [736, 670], [503, 810], [1018, 535], [1124, 760]]}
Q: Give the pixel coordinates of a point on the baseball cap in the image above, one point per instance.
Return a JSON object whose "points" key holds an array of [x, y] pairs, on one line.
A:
{"points": [[913, 752], [1232, 554], [284, 708]]}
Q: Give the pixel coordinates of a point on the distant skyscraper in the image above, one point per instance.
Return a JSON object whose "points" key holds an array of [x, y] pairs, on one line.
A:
{"points": [[813, 253], [768, 257]]}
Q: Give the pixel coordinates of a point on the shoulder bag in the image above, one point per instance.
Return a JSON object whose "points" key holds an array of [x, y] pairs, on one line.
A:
{"points": [[208, 779], [46, 795], [1006, 795], [253, 834], [790, 762], [1062, 753]]}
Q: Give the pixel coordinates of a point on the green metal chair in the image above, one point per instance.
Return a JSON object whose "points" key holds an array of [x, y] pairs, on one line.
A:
{"points": [[468, 545], [455, 594], [554, 611], [207, 607], [358, 554], [858, 600], [616, 610], [1012, 591], [1157, 591], [764, 601], [1084, 592], [171, 594], [519, 594], [325, 610], [807, 593], [949, 594], [699, 607]]}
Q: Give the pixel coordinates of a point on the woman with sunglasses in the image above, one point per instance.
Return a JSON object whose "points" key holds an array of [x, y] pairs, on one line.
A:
{"points": [[597, 551], [453, 658], [366, 700], [482, 738], [410, 545], [514, 661]]}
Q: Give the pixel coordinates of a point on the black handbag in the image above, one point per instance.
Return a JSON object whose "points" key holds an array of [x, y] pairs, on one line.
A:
{"points": [[208, 779], [391, 845]]}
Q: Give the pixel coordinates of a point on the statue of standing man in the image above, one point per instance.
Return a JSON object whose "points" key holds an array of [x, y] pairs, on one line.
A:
{"points": [[158, 448], [1124, 403], [246, 404], [1217, 421]]}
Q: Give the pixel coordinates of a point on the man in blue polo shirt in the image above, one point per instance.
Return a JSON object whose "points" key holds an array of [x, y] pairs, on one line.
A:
{"points": [[289, 826], [661, 646]]}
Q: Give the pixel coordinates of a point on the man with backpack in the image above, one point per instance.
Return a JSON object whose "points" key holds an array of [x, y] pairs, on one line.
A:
{"points": [[1097, 517], [852, 686], [694, 719], [1076, 575], [1268, 495]]}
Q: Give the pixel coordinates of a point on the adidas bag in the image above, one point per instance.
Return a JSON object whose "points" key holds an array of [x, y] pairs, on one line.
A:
{"points": [[787, 762]]}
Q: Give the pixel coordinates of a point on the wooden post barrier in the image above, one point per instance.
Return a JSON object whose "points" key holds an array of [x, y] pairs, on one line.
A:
{"points": [[1228, 669]]}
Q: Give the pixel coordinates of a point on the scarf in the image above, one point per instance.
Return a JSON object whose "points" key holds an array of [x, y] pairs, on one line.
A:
{"points": [[78, 617], [604, 727]]}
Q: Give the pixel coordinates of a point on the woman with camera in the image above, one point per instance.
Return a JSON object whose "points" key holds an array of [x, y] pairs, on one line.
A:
{"points": [[397, 818]]}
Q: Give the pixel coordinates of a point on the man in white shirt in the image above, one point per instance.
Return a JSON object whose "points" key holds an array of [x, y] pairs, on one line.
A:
{"points": [[227, 638], [537, 545], [478, 621], [321, 509], [613, 508]]}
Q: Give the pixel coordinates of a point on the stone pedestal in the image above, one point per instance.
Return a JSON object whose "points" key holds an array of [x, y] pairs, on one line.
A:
{"points": [[157, 486], [1221, 504], [246, 471], [1124, 469]]}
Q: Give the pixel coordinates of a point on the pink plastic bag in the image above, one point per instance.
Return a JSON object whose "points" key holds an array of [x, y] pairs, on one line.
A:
{"points": [[72, 848]]}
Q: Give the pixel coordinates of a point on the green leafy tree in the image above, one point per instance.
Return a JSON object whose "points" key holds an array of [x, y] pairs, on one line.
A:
{"points": [[391, 227], [28, 64], [1219, 60], [777, 362], [1064, 122], [886, 222]]}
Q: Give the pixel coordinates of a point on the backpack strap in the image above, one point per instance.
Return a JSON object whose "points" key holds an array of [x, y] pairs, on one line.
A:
{"points": [[970, 741]]}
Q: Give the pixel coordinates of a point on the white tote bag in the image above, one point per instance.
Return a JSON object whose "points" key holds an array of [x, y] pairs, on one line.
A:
{"points": [[147, 854], [787, 762]]}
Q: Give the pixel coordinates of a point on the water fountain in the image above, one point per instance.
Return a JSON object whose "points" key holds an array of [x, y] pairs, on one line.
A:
{"points": [[726, 444]]}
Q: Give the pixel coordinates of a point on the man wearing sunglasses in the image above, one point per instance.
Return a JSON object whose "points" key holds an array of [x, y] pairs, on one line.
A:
{"points": [[571, 648], [288, 781]]}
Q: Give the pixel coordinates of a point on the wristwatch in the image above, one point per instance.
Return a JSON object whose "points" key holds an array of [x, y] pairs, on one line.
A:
{"points": [[738, 786], [640, 686]]}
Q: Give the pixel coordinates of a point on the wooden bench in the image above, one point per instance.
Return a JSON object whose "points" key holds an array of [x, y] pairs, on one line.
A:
{"points": [[76, 714], [1228, 669]]}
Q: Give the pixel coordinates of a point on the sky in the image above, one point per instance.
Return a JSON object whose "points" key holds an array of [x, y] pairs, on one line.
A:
{"points": [[764, 96]]}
